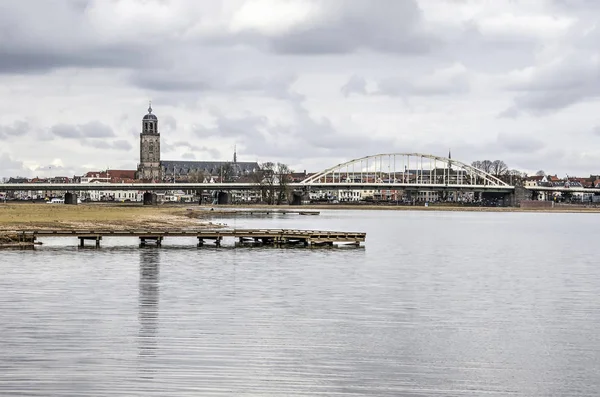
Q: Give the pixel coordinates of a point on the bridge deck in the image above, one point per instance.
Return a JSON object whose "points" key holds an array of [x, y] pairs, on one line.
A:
{"points": [[265, 236]]}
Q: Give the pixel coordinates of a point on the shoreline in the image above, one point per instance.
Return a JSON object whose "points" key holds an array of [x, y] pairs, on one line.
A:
{"points": [[339, 207]]}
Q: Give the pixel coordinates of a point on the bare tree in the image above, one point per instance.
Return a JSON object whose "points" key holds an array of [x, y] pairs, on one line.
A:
{"points": [[486, 166], [264, 176], [197, 176], [515, 177], [283, 173], [476, 164], [499, 168], [227, 173], [540, 173]]}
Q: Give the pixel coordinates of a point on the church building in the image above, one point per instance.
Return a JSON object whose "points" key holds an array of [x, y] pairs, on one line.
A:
{"points": [[152, 168]]}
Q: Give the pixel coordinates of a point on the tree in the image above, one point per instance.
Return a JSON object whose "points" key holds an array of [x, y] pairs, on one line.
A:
{"points": [[515, 177], [273, 180], [476, 164], [499, 168], [226, 173], [264, 176], [540, 173], [197, 176], [486, 166], [283, 173]]}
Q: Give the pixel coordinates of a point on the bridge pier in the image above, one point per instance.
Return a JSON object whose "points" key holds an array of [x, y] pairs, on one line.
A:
{"points": [[223, 198], [299, 197], [150, 198], [71, 198]]}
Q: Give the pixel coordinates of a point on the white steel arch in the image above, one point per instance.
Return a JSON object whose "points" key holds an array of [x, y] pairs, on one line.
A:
{"points": [[405, 168]]}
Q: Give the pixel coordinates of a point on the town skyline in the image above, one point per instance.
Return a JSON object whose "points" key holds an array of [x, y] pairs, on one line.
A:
{"points": [[292, 82]]}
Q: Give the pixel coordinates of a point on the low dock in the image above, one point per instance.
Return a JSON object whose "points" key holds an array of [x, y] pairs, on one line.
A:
{"points": [[252, 236], [223, 212]]}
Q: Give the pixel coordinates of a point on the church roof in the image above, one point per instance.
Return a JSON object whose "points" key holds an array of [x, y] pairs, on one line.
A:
{"points": [[150, 116], [207, 166]]}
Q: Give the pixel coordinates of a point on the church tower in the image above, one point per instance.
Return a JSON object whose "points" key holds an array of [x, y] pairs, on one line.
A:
{"points": [[149, 167]]}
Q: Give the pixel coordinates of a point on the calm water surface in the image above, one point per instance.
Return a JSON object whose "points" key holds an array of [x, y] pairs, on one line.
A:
{"points": [[446, 304]]}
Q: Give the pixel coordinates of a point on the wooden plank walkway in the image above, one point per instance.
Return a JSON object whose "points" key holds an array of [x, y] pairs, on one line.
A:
{"points": [[262, 236]]}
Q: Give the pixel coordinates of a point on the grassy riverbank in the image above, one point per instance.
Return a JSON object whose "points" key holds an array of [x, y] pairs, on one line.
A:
{"points": [[94, 216]]}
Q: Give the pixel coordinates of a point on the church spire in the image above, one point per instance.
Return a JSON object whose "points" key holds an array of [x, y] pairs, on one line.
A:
{"points": [[234, 154], [149, 107]]}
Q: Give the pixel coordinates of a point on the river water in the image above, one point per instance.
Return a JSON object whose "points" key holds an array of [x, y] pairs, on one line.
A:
{"points": [[435, 303]]}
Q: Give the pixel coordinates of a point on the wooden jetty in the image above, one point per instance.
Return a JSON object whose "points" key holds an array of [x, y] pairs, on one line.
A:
{"points": [[256, 212], [216, 236]]}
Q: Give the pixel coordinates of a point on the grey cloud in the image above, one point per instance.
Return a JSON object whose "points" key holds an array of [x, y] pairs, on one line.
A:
{"points": [[16, 129], [445, 81], [596, 130], [187, 145], [557, 85], [56, 34], [519, 143], [119, 145], [188, 156], [8, 164], [168, 147], [65, 131], [354, 85], [347, 26], [93, 129], [232, 126], [170, 80], [169, 122], [62, 34], [305, 134], [35, 60], [404, 87]]}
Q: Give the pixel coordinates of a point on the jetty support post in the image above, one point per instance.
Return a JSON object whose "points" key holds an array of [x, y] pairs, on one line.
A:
{"points": [[157, 240], [95, 238]]}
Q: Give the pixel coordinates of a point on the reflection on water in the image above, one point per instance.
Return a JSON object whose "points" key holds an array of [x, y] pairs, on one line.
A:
{"points": [[148, 300]]}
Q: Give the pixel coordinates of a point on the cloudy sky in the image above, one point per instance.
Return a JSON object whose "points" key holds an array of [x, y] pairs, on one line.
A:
{"points": [[307, 82]]}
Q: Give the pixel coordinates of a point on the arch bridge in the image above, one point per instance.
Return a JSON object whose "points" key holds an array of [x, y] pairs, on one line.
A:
{"points": [[406, 170]]}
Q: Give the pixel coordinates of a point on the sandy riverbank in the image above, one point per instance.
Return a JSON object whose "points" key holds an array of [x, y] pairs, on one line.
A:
{"points": [[107, 217]]}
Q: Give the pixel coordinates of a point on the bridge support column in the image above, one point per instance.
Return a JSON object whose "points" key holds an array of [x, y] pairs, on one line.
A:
{"points": [[150, 198], [71, 198], [299, 197], [520, 194], [223, 198]]}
